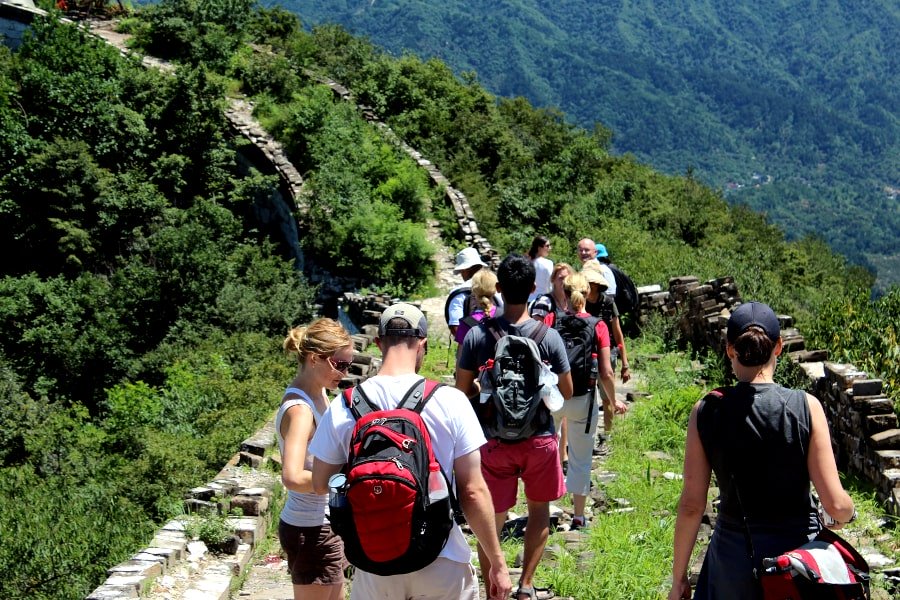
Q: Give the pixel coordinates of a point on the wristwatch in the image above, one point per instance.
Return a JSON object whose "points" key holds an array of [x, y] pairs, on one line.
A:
{"points": [[852, 517]]}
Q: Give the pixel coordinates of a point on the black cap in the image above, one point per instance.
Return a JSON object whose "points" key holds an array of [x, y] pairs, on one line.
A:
{"points": [[753, 314]]}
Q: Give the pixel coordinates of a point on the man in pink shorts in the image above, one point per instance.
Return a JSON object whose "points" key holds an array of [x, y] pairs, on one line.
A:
{"points": [[534, 460]]}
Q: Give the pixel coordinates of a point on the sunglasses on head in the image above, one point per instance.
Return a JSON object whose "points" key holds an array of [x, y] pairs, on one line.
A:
{"points": [[339, 365]]}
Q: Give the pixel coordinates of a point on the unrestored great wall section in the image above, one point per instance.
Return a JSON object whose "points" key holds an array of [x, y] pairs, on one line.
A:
{"points": [[864, 426]]}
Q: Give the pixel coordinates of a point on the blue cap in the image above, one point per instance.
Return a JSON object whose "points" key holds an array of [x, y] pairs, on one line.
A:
{"points": [[753, 314], [601, 251]]}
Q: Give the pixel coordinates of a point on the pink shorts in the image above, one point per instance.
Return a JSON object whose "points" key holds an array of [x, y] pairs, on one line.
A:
{"points": [[535, 460]]}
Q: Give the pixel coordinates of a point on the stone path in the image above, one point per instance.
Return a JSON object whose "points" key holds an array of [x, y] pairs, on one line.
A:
{"points": [[267, 577]]}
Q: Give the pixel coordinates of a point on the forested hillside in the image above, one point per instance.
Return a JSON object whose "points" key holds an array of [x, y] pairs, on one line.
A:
{"points": [[788, 107], [142, 302]]}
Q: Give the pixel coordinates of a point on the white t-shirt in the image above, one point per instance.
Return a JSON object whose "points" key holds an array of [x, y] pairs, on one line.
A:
{"points": [[451, 422], [543, 270], [610, 278]]}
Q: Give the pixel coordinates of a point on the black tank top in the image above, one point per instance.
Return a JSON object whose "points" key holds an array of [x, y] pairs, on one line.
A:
{"points": [[757, 437]]}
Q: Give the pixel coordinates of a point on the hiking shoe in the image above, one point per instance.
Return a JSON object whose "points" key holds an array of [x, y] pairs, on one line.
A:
{"points": [[578, 523]]}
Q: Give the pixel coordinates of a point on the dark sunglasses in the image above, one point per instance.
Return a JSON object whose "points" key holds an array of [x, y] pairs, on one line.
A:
{"points": [[339, 365]]}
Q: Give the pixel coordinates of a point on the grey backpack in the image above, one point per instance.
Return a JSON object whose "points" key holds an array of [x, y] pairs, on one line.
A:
{"points": [[515, 410]]}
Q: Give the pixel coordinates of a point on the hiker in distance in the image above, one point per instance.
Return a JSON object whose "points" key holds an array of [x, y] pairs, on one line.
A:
{"points": [[587, 252], [456, 438], [468, 262], [315, 555], [587, 345], [757, 436], [523, 445], [543, 266]]}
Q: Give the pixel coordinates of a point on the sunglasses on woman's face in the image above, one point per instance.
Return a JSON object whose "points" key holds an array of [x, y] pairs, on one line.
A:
{"points": [[339, 365]]}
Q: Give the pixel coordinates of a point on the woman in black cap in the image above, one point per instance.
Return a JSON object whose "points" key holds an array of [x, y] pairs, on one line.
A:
{"points": [[765, 443]]}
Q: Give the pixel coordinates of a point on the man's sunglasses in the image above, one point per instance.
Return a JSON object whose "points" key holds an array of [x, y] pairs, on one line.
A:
{"points": [[339, 365]]}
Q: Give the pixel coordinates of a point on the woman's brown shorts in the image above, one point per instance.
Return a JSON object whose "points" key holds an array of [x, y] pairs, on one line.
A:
{"points": [[315, 554]]}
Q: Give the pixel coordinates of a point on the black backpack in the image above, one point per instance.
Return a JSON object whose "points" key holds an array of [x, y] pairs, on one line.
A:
{"points": [[468, 303], [604, 308], [515, 410], [543, 300], [627, 300], [580, 338], [383, 512]]}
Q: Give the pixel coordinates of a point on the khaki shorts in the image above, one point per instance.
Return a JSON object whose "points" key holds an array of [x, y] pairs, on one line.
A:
{"points": [[315, 554], [444, 579]]}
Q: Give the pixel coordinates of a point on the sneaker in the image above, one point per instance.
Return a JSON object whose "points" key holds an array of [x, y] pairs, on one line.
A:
{"points": [[577, 523]]}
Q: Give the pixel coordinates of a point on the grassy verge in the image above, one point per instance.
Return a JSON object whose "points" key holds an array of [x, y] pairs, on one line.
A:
{"points": [[628, 555]]}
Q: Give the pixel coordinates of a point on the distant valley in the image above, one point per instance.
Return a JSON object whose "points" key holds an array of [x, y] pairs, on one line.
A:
{"points": [[789, 108]]}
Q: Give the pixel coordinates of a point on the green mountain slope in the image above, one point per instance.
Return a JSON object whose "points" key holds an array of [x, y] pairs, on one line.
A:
{"points": [[788, 107]]}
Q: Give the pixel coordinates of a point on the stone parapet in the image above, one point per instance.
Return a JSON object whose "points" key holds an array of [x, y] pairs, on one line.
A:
{"points": [[864, 427], [465, 217]]}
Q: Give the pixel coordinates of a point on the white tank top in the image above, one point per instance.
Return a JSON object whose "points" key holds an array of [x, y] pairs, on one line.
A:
{"points": [[300, 509]]}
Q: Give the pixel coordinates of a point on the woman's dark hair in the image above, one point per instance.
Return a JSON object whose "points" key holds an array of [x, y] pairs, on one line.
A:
{"points": [[753, 347], [537, 243]]}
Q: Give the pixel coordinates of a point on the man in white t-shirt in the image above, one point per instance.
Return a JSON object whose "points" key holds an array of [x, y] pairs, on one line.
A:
{"points": [[456, 438]]}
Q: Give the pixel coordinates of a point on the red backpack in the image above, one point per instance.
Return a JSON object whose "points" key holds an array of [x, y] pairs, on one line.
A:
{"points": [[388, 521]]}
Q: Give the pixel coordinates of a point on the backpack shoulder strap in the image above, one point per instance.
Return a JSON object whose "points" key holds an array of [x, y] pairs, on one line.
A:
{"points": [[717, 393], [494, 328], [420, 393], [451, 296], [359, 404], [538, 333]]}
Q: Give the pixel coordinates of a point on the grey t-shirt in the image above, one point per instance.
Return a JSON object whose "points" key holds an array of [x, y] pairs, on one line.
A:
{"points": [[478, 347]]}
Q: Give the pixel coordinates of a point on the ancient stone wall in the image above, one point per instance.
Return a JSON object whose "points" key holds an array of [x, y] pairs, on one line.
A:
{"points": [[864, 428], [465, 218]]}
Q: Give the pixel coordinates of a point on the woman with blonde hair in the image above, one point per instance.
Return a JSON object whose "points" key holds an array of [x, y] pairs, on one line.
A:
{"points": [[544, 308], [484, 288], [584, 335], [315, 554]]}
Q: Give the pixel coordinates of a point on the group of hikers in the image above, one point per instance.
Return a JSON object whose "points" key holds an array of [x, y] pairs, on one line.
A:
{"points": [[382, 476]]}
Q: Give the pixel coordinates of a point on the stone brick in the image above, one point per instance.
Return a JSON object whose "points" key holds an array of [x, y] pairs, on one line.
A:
{"points": [[886, 440], [251, 460], [248, 529], [113, 592], [202, 493], [882, 422], [888, 459], [250, 505], [804, 356], [873, 405], [890, 479], [843, 375], [867, 387], [146, 568]]}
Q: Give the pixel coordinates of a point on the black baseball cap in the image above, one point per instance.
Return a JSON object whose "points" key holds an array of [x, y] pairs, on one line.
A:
{"points": [[753, 314]]}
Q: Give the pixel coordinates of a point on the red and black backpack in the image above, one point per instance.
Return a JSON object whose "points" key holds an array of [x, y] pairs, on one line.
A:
{"points": [[388, 524]]}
